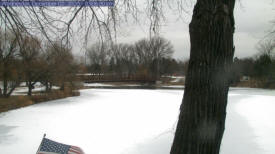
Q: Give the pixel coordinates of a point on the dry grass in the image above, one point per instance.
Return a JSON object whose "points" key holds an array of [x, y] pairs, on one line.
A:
{"points": [[15, 102], [256, 84]]}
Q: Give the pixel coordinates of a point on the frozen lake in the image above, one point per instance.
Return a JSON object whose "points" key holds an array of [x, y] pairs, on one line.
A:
{"points": [[120, 121]]}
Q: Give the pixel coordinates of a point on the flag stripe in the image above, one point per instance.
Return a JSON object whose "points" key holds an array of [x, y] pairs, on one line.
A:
{"points": [[75, 151]]}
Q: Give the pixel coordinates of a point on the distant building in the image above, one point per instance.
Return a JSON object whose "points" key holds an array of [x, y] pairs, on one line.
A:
{"points": [[245, 78]]}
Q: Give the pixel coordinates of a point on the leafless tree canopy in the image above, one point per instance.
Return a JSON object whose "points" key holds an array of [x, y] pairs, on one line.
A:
{"points": [[266, 47], [9, 52], [53, 23], [145, 55]]}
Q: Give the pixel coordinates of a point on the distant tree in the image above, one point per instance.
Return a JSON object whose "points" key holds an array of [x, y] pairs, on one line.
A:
{"points": [[236, 71], [61, 66], [247, 66], [142, 50], [264, 62], [50, 64], [112, 65], [263, 66], [47, 68], [150, 52], [144, 59], [30, 51], [98, 57], [168, 66], [123, 59], [159, 48], [10, 72], [266, 47]]}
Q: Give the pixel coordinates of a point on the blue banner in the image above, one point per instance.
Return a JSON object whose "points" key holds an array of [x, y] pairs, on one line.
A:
{"points": [[56, 3]]}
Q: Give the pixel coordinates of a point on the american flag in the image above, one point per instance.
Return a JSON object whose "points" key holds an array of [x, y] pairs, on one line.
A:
{"points": [[51, 147]]}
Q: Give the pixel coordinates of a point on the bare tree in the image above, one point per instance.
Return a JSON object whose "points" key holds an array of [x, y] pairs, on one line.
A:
{"points": [[98, 57], [30, 52], [60, 66], [265, 62], [159, 48], [266, 47], [128, 59], [10, 72], [151, 51], [123, 59], [142, 49]]}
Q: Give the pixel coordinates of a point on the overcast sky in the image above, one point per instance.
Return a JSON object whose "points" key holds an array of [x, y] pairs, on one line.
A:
{"points": [[252, 17]]}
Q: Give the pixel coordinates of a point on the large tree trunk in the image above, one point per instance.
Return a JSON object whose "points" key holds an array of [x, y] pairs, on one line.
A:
{"points": [[202, 114]]}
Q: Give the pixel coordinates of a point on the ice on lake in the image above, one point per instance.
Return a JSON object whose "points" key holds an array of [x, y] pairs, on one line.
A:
{"points": [[120, 121]]}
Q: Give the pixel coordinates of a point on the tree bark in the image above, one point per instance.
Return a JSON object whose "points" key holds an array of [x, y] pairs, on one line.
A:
{"points": [[50, 88], [47, 86], [30, 87], [5, 84], [203, 111], [5, 80]]}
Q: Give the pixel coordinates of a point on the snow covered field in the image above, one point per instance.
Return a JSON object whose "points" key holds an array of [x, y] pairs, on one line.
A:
{"points": [[112, 121]]}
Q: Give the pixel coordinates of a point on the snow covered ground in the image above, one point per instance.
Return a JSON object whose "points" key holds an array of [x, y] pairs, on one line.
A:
{"points": [[23, 89], [120, 121], [97, 85], [178, 79], [131, 86]]}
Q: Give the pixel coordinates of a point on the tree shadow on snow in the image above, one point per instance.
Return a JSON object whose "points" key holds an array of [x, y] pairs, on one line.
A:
{"points": [[158, 145], [239, 137]]}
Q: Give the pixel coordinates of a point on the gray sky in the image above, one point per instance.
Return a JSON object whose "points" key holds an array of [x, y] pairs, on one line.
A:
{"points": [[252, 17]]}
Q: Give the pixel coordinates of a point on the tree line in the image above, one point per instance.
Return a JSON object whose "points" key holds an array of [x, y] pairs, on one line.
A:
{"points": [[25, 58], [260, 67], [150, 58]]}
